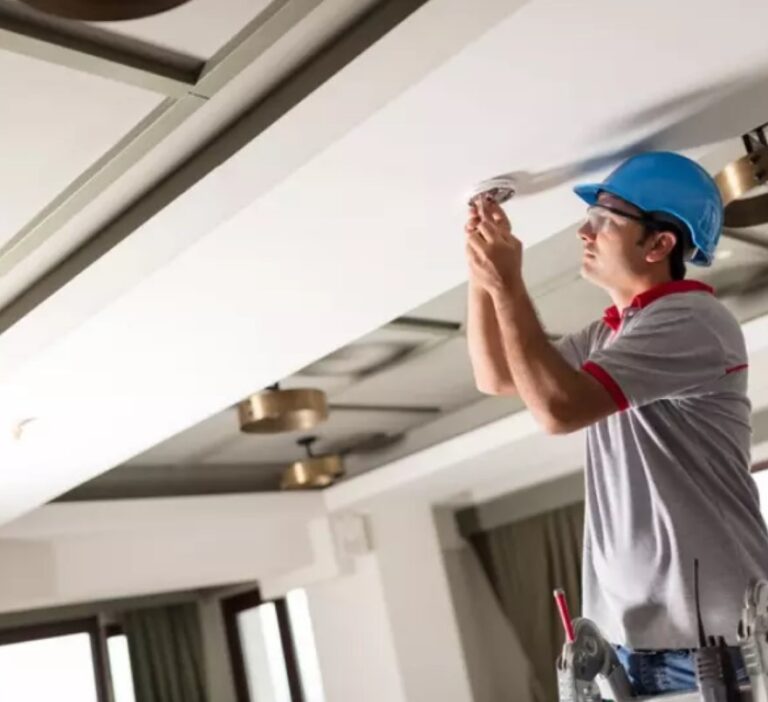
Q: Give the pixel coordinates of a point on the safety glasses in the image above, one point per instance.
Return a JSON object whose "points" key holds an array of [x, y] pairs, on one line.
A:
{"points": [[600, 218]]}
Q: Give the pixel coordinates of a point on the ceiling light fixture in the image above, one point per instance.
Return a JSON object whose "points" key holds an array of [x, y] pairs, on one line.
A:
{"points": [[742, 183], [274, 410], [104, 10], [313, 471], [500, 189]]}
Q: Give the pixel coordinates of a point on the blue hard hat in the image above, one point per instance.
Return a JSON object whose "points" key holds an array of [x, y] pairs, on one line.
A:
{"points": [[665, 184]]}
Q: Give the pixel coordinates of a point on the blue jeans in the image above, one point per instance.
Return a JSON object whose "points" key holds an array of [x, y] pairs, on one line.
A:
{"points": [[659, 672]]}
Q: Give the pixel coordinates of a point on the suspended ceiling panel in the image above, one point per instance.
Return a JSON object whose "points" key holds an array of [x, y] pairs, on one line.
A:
{"points": [[188, 446], [571, 306], [342, 429], [440, 377], [451, 306], [200, 28], [219, 441], [55, 123]]}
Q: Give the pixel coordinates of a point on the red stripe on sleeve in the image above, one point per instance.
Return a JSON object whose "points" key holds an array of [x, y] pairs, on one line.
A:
{"points": [[603, 377], [736, 369]]}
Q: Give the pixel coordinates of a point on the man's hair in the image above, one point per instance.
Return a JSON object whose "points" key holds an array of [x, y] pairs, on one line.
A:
{"points": [[677, 255]]}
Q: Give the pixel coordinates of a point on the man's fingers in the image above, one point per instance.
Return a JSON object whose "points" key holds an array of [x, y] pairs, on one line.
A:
{"points": [[488, 230], [480, 203], [476, 244], [490, 211], [480, 230], [496, 212]]}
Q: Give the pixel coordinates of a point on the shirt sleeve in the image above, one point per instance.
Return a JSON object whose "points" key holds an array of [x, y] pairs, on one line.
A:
{"points": [[575, 348], [669, 353]]}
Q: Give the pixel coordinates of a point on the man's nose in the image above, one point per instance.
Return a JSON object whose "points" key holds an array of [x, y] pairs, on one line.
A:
{"points": [[586, 233]]}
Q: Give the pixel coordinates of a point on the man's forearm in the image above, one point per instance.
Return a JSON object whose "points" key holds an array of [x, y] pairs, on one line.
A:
{"points": [[486, 349], [543, 378]]}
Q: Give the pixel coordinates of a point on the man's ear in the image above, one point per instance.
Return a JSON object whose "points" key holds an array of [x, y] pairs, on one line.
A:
{"points": [[661, 247]]}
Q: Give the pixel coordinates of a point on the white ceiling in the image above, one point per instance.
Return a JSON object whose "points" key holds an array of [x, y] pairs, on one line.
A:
{"points": [[199, 28], [346, 213], [144, 168], [55, 123]]}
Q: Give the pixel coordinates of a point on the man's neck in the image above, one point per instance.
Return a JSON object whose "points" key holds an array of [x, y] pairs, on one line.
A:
{"points": [[623, 297]]}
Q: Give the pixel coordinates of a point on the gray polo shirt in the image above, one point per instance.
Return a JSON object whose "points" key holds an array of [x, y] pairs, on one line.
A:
{"points": [[667, 476]]}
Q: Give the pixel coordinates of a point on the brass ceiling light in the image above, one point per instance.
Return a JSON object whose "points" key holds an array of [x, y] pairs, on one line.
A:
{"points": [[104, 10], [742, 183], [313, 471], [274, 410]]}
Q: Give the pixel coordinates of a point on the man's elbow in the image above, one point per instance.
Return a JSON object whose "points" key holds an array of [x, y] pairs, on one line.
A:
{"points": [[556, 427], [558, 421], [495, 388]]}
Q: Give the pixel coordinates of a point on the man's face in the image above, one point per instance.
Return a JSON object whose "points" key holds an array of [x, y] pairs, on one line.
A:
{"points": [[611, 255]]}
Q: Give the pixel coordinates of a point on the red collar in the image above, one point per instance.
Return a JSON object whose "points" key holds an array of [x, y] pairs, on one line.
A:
{"points": [[612, 317]]}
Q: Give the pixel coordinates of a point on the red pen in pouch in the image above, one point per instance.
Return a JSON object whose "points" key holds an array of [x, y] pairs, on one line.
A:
{"points": [[565, 615]]}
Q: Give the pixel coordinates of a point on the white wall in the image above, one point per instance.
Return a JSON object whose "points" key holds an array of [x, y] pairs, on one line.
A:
{"points": [[353, 637], [496, 660], [418, 600], [80, 552], [388, 630]]}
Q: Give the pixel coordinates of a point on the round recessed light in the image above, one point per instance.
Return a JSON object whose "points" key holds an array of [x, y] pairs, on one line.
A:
{"points": [[104, 10]]}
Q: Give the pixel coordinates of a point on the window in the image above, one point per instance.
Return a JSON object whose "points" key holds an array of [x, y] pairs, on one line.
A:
{"points": [[262, 650], [120, 665], [70, 655], [306, 649]]}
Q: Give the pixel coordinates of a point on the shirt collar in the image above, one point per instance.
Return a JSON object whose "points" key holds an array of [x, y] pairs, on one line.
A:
{"points": [[612, 316]]}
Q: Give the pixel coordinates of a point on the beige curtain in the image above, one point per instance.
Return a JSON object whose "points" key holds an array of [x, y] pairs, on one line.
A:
{"points": [[166, 650], [525, 561]]}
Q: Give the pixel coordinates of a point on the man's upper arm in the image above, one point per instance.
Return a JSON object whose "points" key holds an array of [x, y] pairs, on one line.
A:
{"points": [[589, 402]]}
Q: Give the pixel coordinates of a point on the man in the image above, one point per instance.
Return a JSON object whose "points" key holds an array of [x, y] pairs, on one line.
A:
{"points": [[660, 384]]}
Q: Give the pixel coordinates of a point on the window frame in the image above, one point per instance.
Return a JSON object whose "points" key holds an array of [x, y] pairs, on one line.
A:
{"points": [[234, 605], [90, 626]]}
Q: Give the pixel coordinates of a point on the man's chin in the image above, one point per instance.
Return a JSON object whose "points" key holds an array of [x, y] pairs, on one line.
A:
{"points": [[591, 275], [587, 272]]}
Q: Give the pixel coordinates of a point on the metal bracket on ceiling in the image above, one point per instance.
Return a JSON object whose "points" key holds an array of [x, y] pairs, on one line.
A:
{"points": [[738, 179]]}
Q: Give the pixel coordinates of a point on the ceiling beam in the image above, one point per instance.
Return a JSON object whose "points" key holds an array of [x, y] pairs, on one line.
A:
{"points": [[178, 480], [81, 53], [260, 36]]}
